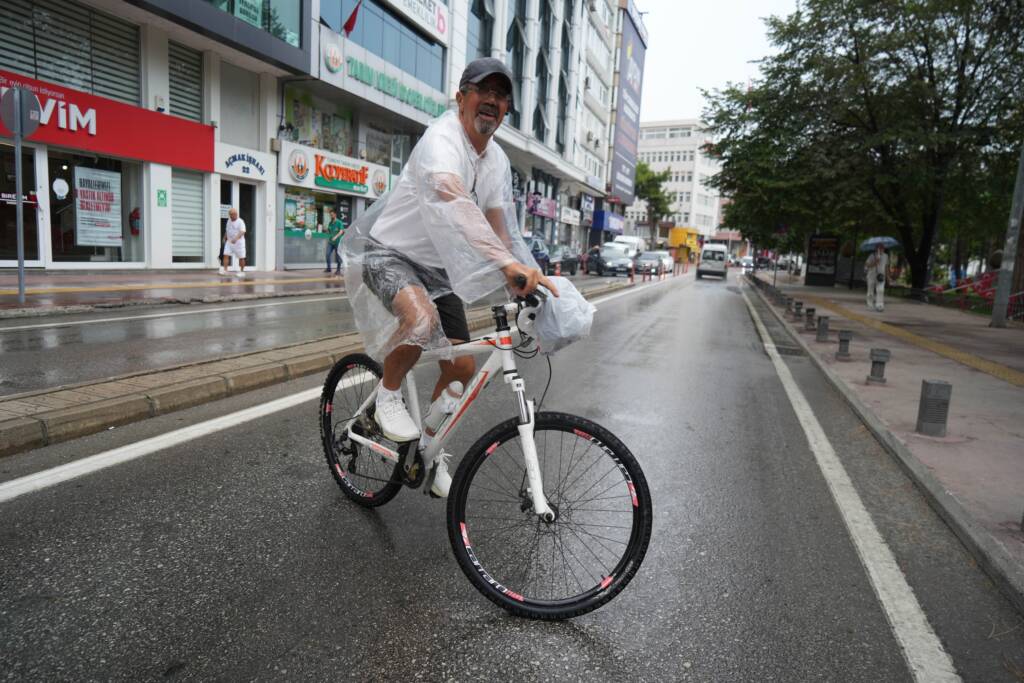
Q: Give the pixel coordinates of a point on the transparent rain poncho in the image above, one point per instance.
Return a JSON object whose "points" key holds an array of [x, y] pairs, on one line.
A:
{"points": [[434, 216]]}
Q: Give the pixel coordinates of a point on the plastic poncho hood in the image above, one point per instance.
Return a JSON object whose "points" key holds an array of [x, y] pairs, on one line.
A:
{"points": [[451, 211]]}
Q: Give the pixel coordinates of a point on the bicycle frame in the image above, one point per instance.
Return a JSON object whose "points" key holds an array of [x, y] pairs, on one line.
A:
{"points": [[500, 347]]}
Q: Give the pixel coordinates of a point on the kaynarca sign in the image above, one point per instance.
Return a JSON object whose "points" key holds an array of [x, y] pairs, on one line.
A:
{"points": [[319, 169]]}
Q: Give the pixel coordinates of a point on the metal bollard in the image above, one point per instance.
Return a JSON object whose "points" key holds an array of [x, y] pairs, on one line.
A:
{"points": [[845, 337], [797, 305], [822, 329], [809, 319], [933, 410], [879, 357]]}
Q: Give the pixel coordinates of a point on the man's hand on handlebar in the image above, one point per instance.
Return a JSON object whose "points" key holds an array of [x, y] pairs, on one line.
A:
{"points": [[522, 280]]}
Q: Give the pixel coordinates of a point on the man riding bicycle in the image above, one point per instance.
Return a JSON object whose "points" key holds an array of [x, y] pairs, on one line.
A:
{"points": [[445, 234]]}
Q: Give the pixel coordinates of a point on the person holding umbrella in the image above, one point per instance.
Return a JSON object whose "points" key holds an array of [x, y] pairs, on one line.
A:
{"points": [[876, 271]]}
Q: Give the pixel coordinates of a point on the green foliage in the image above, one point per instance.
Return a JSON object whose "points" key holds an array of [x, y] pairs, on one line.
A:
{"points": [[649, 187], [874, 117]]}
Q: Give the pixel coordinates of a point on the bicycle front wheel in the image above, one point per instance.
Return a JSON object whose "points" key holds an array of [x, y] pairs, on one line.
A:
{"points": [[567, 567], [367, 478]]}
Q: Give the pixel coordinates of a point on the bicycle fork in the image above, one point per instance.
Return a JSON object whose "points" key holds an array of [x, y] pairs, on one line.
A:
{"points": [[535, 485]]}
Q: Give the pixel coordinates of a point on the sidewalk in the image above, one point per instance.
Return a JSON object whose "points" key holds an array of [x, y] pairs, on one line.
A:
{"points": [[40, 418], [48, 292], [974, 475]]}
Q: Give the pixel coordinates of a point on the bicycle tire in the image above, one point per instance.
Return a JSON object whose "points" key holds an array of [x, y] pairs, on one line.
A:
{"points": [[487, 464], [356, 469]]}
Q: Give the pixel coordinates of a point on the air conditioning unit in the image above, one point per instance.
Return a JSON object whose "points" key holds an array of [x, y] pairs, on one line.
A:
{"points": [[597, 143], [590, 136], [586, 83]]}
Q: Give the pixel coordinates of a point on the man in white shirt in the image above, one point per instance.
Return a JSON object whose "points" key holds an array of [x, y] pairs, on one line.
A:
{"points": [[444, 229], [234, 242], [876, 272]]}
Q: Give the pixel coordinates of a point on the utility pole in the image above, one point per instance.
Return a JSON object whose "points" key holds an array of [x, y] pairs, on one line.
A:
{"points": [[1010, 250]]}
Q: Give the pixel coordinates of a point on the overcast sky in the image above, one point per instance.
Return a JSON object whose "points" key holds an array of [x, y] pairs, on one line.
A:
{"points": [[700, 44]]}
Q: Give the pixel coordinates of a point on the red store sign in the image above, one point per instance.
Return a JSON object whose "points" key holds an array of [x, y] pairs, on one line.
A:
{"points": [[78, 120], [542, 206]]}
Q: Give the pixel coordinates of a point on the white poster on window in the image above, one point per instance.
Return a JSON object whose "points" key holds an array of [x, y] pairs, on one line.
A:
{"points": [[97, 208]]}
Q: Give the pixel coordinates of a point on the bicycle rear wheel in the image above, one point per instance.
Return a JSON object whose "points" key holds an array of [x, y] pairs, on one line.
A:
{"points": [[567, 567], [367, 478]]}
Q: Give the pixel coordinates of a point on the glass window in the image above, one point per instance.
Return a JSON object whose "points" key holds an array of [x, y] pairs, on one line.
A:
{"points": [[285, 20], [8, 205], [481, 24], [107, 225], [392, 42], [373, 28], [330, 14]]}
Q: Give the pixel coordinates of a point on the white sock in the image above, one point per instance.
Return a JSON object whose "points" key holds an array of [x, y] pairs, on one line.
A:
{"points": [[383, 393]]}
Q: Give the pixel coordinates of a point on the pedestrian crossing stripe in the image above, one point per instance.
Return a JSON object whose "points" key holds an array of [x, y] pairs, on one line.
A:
{"points": [[992, 368]]}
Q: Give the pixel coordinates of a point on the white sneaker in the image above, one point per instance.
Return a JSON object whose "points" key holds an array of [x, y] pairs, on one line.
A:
{"points": [[221, 270], [442, 480], [394, 419]]}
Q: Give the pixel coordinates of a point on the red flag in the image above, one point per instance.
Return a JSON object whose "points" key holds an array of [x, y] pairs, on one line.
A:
{"points": [[350, 23]]}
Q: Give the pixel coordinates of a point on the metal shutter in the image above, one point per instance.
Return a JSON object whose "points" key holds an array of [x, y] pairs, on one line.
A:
{"points": [[64, 42], [186, 80], [18, 52], [186, 216], [115, 59]]}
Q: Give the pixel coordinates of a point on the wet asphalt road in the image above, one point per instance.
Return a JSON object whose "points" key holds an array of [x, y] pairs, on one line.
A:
{"points": [[108, 343], [234, 556]]}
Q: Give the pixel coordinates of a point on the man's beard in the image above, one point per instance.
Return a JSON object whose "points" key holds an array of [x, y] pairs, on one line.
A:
{"points": [[484, 127]]}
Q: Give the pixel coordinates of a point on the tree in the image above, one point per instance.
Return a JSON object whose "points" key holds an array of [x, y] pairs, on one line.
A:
{"points": [[875, 116], [648, 187]]}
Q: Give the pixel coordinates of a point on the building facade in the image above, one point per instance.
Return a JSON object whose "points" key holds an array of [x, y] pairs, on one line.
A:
{"points": [[160, 115], [678, 147]]}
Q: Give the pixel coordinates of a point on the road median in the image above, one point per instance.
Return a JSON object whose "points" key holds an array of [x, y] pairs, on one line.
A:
{"points": [[41, 418]]}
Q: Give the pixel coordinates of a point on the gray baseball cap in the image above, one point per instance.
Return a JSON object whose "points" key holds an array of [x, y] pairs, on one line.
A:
{"points": [[479, 69]]}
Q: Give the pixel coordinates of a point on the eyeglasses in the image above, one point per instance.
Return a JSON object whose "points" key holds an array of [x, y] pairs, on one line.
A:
{"points": [[485, 93]]}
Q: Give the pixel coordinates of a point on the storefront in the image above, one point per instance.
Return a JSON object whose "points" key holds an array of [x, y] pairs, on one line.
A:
{"points": [[101, 183], [570, 220], [245, 180], [606, 226], [312, 182], [543, 217]]}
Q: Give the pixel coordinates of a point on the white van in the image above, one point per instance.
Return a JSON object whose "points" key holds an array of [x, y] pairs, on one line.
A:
{"points": [[713, 261], [638, 244]]}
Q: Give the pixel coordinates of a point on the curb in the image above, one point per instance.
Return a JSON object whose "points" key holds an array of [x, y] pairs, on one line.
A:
{"points": [[1001, 568], [94, 407], [40, 311]]}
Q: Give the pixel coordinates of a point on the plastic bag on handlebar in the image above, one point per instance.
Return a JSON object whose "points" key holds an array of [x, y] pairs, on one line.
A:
{"points": [[563, 319]]}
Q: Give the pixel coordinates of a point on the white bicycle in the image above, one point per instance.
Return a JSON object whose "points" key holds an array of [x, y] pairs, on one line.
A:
{"points": [[549, 514]]}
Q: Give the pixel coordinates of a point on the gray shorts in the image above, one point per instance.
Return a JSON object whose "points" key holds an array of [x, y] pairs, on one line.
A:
{"points": [[386, 272]]}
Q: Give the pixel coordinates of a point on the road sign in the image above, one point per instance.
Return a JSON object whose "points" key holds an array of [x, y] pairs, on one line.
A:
{"points": [[19, 109], [30, 111]]}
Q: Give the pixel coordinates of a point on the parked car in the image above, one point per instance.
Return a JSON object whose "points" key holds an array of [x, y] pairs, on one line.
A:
{"points": [[713, 261], [763, 263], [540, 253], [564, 255], [650, 260], [747, 263], [614, 258]]}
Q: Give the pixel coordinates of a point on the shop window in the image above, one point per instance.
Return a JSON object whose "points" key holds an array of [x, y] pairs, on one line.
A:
{"points": [[185, 69], [95, 209], [239, 106], [61, 41], [318, 122], [8, 206], [304, 209]]}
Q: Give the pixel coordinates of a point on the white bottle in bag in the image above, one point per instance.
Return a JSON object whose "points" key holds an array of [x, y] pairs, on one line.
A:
{"points": [[442, 407]]}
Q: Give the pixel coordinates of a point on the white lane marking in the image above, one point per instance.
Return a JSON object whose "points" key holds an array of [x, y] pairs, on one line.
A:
{"points": [[630, 290], [203, 311], [926, 658], [100, 461]]}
